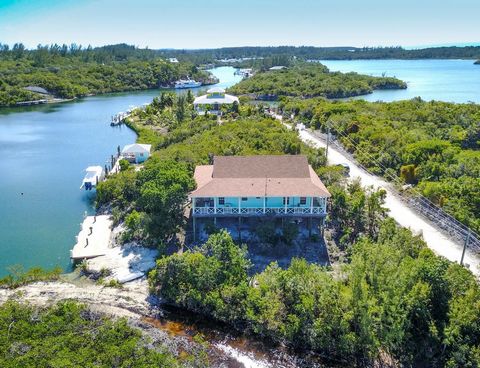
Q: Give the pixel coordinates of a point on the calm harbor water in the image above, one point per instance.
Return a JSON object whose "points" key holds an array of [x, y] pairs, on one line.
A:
{"points": [[43, 153], [445, 80]]}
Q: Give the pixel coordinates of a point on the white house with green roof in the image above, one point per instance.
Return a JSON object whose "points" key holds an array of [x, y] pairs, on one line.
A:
{"points": [[213, 101]]}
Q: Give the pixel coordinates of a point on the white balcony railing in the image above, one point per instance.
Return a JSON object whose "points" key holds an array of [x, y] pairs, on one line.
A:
{"points": [[259, 211]]}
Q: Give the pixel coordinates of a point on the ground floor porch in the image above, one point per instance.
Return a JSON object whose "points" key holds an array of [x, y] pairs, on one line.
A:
{"points": [[260, 236], [247, 228]]}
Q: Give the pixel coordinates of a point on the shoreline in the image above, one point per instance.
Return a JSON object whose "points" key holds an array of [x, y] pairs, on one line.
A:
{"points": [[55, 100], [144, 312]]}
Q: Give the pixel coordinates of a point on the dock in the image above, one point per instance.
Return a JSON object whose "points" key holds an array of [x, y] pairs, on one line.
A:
{"points": [[119, 118], [30, 103], [93, 239]]}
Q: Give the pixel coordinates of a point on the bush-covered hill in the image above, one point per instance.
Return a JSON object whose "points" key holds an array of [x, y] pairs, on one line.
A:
{"points": [[68, 72], [312, 80]]}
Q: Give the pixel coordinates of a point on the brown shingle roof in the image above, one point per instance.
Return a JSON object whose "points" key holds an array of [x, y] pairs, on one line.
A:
{"points": [[285, 166], [258, 176]]}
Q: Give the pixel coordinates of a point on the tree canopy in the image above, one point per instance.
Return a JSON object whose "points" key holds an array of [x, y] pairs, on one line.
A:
{"points": [[434, 145], [312, 80], [395, 300], [69, 335], [73, 71]]}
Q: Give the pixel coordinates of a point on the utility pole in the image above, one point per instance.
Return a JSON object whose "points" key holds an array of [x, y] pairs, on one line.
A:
{"points": [[465, 247], [328, 141]]}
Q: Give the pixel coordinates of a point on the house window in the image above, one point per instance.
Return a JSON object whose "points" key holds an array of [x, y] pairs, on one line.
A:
{"points": [[303, 200], [286, 200], [244, 199], [221, 201]]}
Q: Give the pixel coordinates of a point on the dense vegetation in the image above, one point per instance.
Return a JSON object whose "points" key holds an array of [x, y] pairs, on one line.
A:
{"points": [[434, 145], [319, 53], [152, 200], [312, 80], [394, 302], [69, 335], [68, 72]]}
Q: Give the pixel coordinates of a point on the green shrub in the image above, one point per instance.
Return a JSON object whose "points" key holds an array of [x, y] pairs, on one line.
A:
{"points": [[19, 277]]}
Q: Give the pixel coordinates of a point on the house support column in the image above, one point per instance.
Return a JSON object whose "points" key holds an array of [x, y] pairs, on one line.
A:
{"points": [[239, 228], [264, 204], [285, 199], [194, 230], [311, 204]]}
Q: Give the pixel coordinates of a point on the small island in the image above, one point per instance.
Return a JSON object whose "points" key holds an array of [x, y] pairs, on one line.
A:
{"points": [[309, 80]]}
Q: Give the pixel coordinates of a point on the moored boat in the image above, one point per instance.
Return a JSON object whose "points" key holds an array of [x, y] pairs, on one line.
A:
{"points": [[187, 83]]}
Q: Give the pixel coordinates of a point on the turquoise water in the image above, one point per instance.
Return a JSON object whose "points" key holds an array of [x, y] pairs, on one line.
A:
{"points": [[445, 80], [43, 153]]}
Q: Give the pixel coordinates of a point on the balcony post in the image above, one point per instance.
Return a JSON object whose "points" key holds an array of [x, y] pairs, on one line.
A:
{"points": [[264, 200], [286, 201], [311, 205], [215, 211], [239, 205], [193, 204]]}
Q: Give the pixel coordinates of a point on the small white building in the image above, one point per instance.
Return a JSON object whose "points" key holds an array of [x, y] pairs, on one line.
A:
{"points": [[213, 100], [136, 153], [173, 60]]}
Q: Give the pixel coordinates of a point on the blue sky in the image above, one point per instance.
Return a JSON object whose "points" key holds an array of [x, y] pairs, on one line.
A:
{"points": [[221, 23]]}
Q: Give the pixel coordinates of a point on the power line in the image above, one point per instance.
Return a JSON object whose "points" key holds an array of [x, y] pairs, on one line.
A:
{"points": [[434, 211]]}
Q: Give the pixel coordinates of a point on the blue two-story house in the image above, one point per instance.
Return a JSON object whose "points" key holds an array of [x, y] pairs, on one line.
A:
{"points": [[249, 186]]}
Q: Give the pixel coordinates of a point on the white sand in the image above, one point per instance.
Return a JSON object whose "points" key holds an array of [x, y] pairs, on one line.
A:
{"points": [[130, 301], [98, 238], [126, 262]]}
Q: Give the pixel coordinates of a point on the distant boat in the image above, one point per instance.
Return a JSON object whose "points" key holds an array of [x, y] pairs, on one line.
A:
{"points": [[187, 83], [94, 175]]}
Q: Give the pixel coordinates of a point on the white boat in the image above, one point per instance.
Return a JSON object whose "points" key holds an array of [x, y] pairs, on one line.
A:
{"points": [[187, 83], [94, 175]]}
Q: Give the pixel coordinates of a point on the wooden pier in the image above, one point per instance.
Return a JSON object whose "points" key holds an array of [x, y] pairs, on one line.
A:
{"points": [[119, 119], [30, 103]]}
